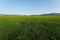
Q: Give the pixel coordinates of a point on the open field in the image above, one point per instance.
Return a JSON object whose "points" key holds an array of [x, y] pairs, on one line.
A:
{"points": [[29, 27]]}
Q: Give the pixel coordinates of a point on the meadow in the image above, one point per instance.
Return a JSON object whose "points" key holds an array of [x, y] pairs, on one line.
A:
{"points": [[29, 27]]}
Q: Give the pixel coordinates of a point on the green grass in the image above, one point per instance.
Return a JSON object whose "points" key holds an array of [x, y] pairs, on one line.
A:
{"points": [[29, 27]]}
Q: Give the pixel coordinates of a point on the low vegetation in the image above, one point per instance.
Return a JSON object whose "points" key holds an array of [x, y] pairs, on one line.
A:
{"points": [[29, 27]]}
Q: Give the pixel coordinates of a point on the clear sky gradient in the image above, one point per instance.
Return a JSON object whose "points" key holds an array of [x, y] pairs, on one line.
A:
{"points": [[26, 7]]}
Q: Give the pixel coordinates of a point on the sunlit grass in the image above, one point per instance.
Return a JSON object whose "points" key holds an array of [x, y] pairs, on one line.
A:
{"points": [[29, 27]]}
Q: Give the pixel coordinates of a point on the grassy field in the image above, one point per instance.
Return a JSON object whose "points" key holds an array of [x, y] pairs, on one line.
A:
{"points": [[29, 27]]}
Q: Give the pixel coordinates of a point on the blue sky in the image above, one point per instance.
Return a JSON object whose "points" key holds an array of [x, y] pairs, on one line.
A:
{"points": [[26, 7]]}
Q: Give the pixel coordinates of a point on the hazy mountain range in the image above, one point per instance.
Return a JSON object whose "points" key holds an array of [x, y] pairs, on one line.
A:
{"points": [[50, 14]]}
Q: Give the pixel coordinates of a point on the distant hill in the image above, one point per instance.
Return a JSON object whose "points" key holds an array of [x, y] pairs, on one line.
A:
{"points": [[51, 14]]}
